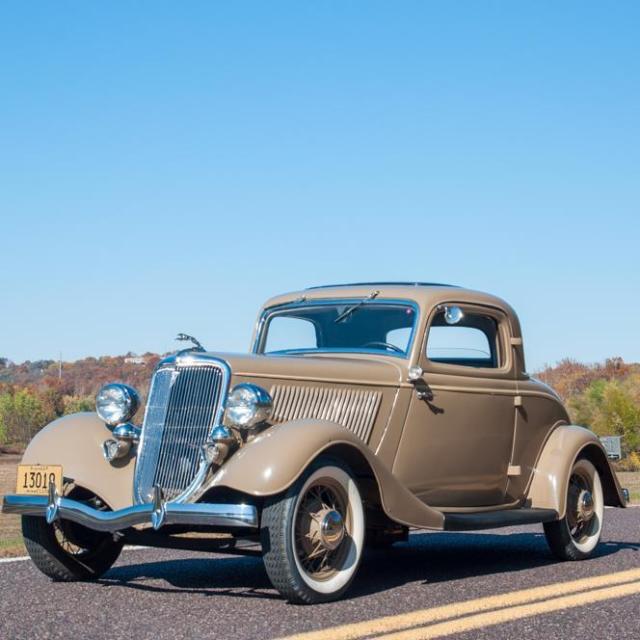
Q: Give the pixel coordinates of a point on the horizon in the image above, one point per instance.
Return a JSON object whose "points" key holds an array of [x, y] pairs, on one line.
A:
{"points": [[134, 354], [168, 170]]}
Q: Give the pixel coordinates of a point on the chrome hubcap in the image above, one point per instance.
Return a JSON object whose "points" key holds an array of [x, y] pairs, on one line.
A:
{"points": [[586, 507], [582, 516], [332, 529]]}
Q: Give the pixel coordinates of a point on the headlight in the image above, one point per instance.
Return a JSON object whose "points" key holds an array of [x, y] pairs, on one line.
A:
{"points": [[116, 403], [248, 405]]}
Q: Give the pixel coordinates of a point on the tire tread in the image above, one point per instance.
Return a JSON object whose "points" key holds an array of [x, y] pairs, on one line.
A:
{"points": [[559, 537], [54, 562], [276, 520]]}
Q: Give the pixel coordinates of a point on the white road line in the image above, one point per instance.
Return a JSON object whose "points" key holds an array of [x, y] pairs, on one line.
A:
{"points": [[18, 559], [23, 558]]}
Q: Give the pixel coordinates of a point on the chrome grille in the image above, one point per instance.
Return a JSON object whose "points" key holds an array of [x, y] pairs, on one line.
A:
{"points": [[183, 406], [354, 409]]}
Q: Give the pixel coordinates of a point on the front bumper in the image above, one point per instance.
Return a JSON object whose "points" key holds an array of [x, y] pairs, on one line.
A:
{"points": [[156, 513]]}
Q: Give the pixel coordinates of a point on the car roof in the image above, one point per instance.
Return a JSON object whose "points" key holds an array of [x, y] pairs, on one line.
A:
{"points": [[425, 294], [392, 283]]}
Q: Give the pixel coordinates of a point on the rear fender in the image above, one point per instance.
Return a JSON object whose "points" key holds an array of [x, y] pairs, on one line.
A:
{"points": [[75, 442], [548, 489], [272, 462]]}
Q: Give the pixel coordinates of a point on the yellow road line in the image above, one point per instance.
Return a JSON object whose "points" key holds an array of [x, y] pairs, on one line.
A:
{"points": [[510, 614], [428, 616]]}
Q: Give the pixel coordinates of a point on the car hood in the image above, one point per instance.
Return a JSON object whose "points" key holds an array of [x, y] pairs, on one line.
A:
{"points": [[348, 368]]}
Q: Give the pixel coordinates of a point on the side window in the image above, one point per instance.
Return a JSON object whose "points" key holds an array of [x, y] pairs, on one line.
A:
{"points": [[471, 342]]}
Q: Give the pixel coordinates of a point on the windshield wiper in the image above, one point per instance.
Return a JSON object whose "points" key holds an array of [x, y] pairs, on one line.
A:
{"points": [[349, 310]]}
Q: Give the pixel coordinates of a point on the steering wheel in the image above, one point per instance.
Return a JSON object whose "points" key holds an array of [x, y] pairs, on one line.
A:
{"points": [[386, 345]]}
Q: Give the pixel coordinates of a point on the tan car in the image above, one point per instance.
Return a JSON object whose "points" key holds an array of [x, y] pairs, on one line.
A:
{"points": [[363, 411]]}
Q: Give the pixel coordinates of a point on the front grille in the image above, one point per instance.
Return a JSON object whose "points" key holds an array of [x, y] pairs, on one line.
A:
{"points": [[181, 411]]}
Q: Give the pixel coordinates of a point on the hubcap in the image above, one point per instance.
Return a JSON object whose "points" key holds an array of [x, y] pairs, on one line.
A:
{"points": [[332, 529], [586, 506], [581, 506]]}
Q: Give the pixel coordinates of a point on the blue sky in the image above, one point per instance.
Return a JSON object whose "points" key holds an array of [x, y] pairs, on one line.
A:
{"points": [[166, 167]]}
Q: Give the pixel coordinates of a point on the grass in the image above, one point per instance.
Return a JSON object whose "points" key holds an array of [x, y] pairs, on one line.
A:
{"points": [[10, 534], [631, 480], [11, 538], [11, 546]]}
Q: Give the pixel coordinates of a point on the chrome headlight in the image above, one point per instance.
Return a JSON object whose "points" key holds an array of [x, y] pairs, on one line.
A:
{"points": [[116, 403], [248, 405]]}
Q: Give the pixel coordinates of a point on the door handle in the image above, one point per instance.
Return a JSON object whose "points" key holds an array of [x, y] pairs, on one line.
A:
{"points": [[423, 391]]}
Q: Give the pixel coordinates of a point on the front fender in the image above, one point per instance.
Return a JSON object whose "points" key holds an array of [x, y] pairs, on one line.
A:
{"points": [[272, 462], [75, 442], [548, 489]]}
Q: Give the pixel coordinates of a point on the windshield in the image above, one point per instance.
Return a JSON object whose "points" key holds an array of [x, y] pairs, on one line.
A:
{"points": [[358, 325]]}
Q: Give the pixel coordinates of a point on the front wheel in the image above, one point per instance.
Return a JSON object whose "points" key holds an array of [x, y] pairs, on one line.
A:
{"points": [[576, 536], [66, 551], [313, 535]]}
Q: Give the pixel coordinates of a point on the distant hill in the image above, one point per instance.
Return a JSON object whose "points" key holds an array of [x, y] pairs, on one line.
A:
{"points": [[570, 377], [82, 377], [603, 397]]}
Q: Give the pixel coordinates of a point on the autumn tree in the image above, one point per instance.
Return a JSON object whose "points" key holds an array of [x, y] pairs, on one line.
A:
{"points": [[22, 414], [610, 407]]}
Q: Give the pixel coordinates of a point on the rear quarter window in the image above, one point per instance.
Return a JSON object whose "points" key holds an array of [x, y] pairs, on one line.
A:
{"points": [[472, 343]]}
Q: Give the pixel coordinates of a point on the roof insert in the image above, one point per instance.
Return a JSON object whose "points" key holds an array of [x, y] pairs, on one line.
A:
{"points": [[383, 284]]}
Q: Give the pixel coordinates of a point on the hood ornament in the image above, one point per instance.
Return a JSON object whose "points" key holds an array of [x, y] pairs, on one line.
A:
{"points": [[183, 337]]}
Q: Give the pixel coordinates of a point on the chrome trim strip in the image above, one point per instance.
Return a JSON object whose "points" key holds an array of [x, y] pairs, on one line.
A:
{"points": [[212, 515]]}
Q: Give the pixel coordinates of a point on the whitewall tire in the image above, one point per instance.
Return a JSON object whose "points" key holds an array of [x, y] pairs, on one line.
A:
{"points": [[313, 535], [576, 536]]}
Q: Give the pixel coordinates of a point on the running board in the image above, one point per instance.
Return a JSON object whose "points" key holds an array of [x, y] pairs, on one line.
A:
{"points": [[495, 519]]}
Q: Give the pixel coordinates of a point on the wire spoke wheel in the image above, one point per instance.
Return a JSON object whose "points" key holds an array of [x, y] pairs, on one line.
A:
{"points": [[576, 536], [580, 506], [313, 535], [322, 527], [65, 550], [74, 539]]}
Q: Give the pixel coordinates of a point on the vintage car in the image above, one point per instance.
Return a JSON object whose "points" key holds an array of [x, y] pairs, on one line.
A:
{"points": [[362, 411]]}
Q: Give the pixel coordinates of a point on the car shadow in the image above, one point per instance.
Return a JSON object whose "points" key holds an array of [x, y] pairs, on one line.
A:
{"points": [[445, 557], [428, 558], [237, 576]]}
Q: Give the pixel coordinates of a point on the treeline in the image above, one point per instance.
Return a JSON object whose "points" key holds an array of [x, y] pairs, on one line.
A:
{"points": [[32, 394], [604, 397]]}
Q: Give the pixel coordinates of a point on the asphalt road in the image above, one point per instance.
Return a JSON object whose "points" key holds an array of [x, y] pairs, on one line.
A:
{"points": [[436, 585]]}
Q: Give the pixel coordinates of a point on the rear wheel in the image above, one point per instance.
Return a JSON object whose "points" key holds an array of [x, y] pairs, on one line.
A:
{"points": [[67, 551], [576, 536], [313, 535]]}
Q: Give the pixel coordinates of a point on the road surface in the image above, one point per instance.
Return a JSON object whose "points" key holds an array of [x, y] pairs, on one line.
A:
{"points": [[491, 584]]}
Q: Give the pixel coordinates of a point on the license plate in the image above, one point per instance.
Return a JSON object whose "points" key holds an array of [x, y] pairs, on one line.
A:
{"points": [[34, 479]]}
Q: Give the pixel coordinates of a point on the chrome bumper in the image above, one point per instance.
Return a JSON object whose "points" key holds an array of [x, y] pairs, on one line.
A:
{"points": [[156, 513]]}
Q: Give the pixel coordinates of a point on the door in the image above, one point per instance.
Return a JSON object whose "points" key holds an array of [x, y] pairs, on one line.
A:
{"points": [[458, 436]]}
